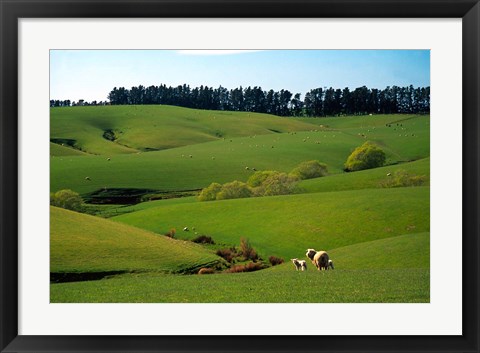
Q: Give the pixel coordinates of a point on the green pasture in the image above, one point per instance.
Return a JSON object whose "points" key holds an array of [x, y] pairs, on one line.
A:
{"points": [[195, 166], [364, 179], [394, 269], [377, 237], [81, 243], [288, 225], [280, 284], [157, 127]]}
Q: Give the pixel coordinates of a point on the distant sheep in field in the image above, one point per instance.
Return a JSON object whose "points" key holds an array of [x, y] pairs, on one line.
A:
{"points": [[319, 258], [300, 264], [87, 178], [185, 229], [108, 159], [389, 174]]}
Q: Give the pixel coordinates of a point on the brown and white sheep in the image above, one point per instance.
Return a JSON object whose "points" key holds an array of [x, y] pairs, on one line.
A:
{"points": [[319, 258]]}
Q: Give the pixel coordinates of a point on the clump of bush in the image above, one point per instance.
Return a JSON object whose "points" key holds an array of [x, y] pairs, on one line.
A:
{"points": [[203, 239], [401, 178], [366, 156], [206, 271], [67, 199], [258, 178], [276, 183], [210, 192], [250, 267], [247, 250], [227, 254], [274, 260], [171, 233], [234, 190], [264, 183], [309, 170]]}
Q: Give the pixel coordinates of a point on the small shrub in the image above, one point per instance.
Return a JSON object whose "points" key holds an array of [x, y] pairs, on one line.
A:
{"points": [[247, 251], [401, 178], [250, 267], [67, 199], [203, 239], [234, 190], [275, 260], [309, 170], [210, 192], [206, 271], [171, 233], [227, 254], [366, 156]]}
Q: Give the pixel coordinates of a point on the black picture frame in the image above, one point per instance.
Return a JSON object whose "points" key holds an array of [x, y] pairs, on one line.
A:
{"points": [[11, 11]]}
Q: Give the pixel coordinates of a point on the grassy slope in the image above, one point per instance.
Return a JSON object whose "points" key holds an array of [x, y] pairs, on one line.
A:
{"points": [[225, 160], [347, 223], [364, 179], [82, 243], [287, 225], [403, 251], [392, 271], [59, 150], [158, 126], [409, 140]]}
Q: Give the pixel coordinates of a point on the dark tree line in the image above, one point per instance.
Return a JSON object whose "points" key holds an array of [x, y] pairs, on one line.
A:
{"points": [[68, 103], [317, 102]]}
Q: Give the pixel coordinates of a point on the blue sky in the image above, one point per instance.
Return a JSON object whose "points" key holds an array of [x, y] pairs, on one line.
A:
{"points": [[92, 74]]}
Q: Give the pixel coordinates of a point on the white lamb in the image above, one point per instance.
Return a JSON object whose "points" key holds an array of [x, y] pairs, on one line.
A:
{"points": [[300, 264], [330, 265]]}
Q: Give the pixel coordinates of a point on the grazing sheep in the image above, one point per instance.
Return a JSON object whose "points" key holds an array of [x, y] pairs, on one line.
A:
{"points": [[318, 258], [389, 174], [108, 159], [299, 264], [185, 229], [296, 263], [330, 265], [87, 178]]}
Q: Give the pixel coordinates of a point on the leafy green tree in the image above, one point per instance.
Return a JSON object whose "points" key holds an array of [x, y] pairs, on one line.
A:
{"points": [[309, 170], [66, 199], [210, 192], [234, 190], [366, 156]]}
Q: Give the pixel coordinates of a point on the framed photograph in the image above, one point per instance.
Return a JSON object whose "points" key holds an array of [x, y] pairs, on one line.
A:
{"points": [[239, 176]]}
